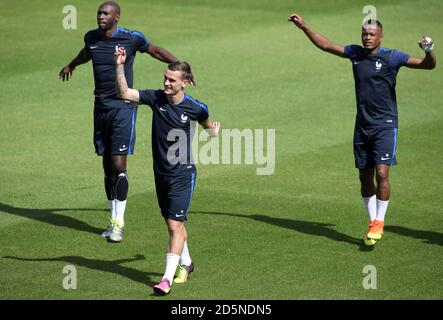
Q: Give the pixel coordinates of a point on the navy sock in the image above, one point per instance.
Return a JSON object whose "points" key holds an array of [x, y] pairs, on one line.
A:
{"points": [[109, 188], [121, 186]]}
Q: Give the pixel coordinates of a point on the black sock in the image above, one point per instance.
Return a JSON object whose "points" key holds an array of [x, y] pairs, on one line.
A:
{"points": [[109, 188], [121, 186]]}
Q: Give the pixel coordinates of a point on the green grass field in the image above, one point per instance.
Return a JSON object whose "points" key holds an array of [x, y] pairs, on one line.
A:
{"points": [[295, 234]]}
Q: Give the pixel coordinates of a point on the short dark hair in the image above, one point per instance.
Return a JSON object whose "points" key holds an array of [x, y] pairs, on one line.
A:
{"points": [[373, 22], [185, 69], [112, 4]]}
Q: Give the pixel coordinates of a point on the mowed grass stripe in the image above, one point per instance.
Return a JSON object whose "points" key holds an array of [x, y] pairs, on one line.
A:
{"points": [[308, 223]]}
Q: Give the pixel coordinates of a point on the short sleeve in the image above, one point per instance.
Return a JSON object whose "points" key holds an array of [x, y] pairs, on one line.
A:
{"points": [[398, 59], [85, 40], [141, 43], [352, 51], [148, 97], [203, 112]]}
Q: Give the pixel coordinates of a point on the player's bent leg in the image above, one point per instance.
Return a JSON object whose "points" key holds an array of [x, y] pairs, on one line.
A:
{"points": [[186, 265], [180, 190], [176, 243], [175, 247]]}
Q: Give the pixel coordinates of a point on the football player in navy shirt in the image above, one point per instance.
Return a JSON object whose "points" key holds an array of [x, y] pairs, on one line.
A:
{"points": [[114, 119], [376, 127], [175, 115]]}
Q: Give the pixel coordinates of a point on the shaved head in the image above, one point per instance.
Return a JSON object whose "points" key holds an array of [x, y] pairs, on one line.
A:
{"points": [[108, 15]]}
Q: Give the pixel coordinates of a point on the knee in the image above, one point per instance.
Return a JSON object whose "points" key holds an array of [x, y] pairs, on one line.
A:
{"points": [[119, 164], [382, 176], [175, 228]]}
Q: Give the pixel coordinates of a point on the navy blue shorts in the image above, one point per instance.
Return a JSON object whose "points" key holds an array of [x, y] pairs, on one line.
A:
{"points": [[114, 131], [375, 146], [174, 194]]}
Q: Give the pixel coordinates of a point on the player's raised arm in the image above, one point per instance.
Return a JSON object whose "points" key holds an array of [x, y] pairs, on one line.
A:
{"points": [[212, 128], [161, 54], [123, 91], [316, 38], [429, 61], [66, 72]]}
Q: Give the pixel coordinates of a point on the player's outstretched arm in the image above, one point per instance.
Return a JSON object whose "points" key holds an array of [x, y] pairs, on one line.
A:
{"points": [[212, 128], [161, 54], [66, 72], [316, 38], [123, 91], [429, 61]]}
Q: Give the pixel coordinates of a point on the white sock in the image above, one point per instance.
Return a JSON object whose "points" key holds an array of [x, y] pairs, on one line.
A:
{"points": [[382, 207], [171, 266], [112, 208], [185, 258], [371, 206], [120, 211]]}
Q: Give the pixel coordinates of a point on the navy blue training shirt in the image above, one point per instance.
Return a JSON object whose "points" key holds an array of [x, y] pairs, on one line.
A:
{"points": [[175, 121], [102, 51], [375, 79]]}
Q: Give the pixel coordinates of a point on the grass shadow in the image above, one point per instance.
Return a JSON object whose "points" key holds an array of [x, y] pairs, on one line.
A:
{"points": [[51, 216], [112, 266], [429, 237], [307, 227]]}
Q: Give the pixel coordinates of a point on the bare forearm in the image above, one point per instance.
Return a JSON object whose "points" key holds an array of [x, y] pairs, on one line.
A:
{"points": [[430, 60], [120, 80], [316, 38], [323, 43], [161, 54], [123, 91], [212, 128]]}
